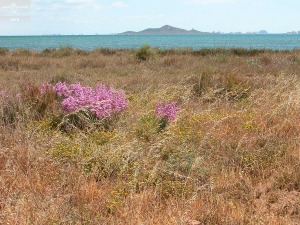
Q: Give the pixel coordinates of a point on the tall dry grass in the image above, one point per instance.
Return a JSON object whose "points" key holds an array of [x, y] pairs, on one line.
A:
{"points": [[231, 157]]}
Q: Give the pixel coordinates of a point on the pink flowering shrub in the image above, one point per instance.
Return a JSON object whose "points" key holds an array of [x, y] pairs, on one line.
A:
{"points": [[150, 125], [102, 101], [167, 111], [61, 89]]}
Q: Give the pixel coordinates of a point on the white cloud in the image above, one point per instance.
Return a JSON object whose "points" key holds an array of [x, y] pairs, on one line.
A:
{"points": [[119, 4]]}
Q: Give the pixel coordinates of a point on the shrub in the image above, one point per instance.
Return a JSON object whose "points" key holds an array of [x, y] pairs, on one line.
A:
{"points": [[167, 111], [101, 102], [148, 127], [144, 53]]}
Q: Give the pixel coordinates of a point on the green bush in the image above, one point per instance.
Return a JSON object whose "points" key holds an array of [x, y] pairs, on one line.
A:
{"points": [[144, 53]]}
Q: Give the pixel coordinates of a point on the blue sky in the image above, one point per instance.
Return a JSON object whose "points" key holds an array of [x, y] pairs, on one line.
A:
{"points": [[113, 16]]}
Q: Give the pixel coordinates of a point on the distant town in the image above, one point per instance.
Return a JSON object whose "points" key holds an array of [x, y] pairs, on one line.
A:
{"points": [[260, 32], [294, 32]]}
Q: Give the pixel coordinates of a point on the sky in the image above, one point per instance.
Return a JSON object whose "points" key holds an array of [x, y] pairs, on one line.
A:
{"points": [[42, 17]]}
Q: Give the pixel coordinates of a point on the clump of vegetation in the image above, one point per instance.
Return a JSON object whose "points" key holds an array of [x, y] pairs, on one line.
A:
{"points": [[147, 127], [101, 102], [166, 112], [150, 125], [144, 53], [85, 105]]}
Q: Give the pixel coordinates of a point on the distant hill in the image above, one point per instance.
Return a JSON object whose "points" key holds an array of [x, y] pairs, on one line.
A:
{"points": [[263, 32], [165, 30]]}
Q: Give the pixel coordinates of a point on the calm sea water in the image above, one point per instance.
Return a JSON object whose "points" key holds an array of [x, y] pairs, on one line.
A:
{"points": [[88, 42]]}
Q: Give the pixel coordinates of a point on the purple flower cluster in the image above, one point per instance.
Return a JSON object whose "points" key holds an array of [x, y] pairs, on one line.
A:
{"points": [[62, 90], [102, 101], [167, 110]]}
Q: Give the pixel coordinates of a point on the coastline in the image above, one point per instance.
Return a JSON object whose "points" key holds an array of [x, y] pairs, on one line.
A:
{"points": [[90, 42]]}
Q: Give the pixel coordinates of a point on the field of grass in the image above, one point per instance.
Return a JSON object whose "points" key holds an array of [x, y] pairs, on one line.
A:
{"points": [[232, 155]]}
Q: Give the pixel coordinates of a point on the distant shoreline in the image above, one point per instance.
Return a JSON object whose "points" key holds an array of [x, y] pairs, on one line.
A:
{"points": [[117, 34], [199, 41], [170, 30], [68, 51]]}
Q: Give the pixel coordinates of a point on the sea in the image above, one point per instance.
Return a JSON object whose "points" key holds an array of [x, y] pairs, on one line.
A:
{"points": [[89, 42]]}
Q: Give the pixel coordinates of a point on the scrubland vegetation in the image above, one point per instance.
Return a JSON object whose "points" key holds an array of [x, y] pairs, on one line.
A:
{"points": [[193, 137]]}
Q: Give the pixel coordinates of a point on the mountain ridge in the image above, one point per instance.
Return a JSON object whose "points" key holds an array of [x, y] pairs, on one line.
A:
{"points": [[164, 30]]}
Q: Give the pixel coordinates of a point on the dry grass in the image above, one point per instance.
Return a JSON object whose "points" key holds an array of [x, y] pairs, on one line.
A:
{"points": [[231, 157]]}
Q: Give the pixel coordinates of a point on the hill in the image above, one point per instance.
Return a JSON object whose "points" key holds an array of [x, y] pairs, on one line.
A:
{"points": [[164, 30]]}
